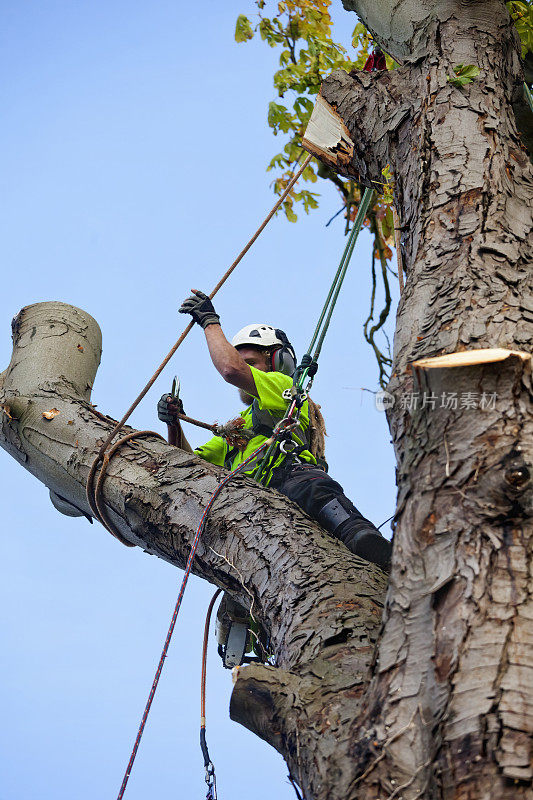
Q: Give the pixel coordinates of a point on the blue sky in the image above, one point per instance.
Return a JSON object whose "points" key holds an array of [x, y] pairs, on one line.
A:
{"points": [[134, 147]]}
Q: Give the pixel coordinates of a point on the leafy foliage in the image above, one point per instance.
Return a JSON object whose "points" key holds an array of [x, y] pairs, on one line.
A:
{"points": [[522, 14], [302, 30], [243, 29], [463, 75]]}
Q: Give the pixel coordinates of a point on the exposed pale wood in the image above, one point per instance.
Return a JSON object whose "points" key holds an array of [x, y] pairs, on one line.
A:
{"points": [[327, 138], [469, 358]]}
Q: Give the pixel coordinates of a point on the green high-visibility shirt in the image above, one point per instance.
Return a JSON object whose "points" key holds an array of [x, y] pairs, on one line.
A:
{"points": [[269, 389]]}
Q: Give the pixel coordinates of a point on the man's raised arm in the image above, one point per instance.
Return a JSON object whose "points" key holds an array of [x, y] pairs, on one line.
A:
{"points": [[227, 360]]}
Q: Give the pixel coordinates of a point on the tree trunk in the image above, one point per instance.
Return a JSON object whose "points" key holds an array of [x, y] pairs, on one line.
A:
{"points": [[443, 706], [449, 712]]}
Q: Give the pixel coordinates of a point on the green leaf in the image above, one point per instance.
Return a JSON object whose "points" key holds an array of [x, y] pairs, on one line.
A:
{"points": [[470, 71], [243, 29], [305, 103], [278, 117], [464, 74], [277, 161], [289, 213], [522, 15]]}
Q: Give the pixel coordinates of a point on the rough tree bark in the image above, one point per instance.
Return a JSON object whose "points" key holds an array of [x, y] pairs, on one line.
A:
{"points": [[442, 707], [449, 712]]}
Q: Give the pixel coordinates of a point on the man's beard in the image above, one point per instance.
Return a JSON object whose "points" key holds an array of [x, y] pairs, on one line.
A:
{"points": [[246, 398]]}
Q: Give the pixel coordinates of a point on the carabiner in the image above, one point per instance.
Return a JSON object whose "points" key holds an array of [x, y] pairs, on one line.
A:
{"points": [[288, 446], [211, 781], [175, 391]]}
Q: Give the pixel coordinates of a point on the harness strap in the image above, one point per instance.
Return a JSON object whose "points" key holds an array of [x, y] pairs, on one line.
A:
{"points": [[264, 422], [230, 455]]}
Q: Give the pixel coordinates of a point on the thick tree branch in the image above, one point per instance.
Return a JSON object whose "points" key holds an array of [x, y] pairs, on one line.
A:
{"points": [[321, 605]]}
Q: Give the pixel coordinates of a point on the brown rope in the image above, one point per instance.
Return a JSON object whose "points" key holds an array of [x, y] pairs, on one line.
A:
{"points": [[219, 285], [94, 492], [159, 370], [397, 243], [199, 424], [204, 657]]}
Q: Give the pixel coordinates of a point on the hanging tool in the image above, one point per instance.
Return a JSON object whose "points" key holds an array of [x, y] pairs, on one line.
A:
{"points": [[210, 777], [175, 396], [231, 632]]}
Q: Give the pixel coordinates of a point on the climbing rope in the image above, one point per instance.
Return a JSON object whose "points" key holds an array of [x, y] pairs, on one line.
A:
{"points": [[94, 492], [317, 340], [309, 363], [188, 567], [96, 507], [210, 777]]}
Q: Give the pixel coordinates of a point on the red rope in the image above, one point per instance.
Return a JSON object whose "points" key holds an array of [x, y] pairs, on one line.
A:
{"points": [[186, 574]]}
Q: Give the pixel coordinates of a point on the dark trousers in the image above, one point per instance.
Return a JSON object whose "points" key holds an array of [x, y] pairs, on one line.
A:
{"points": [[311, 488], [324, 500]]}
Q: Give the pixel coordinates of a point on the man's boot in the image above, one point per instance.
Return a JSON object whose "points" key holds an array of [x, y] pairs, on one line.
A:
{"points": [[345, 522]]}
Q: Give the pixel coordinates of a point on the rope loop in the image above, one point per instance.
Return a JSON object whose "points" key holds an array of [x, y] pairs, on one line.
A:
{"points": [[95, 489]]}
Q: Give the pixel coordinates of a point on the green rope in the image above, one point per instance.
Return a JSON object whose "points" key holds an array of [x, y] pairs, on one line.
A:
{"points": [[331, 290], [317, 340], [358, 223], [324, 319], [261, 473]]}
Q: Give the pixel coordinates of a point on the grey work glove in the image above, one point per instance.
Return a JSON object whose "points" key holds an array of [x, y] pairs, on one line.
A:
{"points": [[168, 407], [201, 309]]}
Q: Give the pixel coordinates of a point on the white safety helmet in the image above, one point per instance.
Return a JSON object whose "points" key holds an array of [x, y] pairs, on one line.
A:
{"points": [[260, 335]]}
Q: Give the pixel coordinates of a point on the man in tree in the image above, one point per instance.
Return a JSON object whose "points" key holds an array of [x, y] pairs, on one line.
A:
{"points": [[432, 698], [260, 362]]}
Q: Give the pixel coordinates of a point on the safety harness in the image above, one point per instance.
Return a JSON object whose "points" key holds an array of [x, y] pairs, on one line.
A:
{"points": [[264, 423]]}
